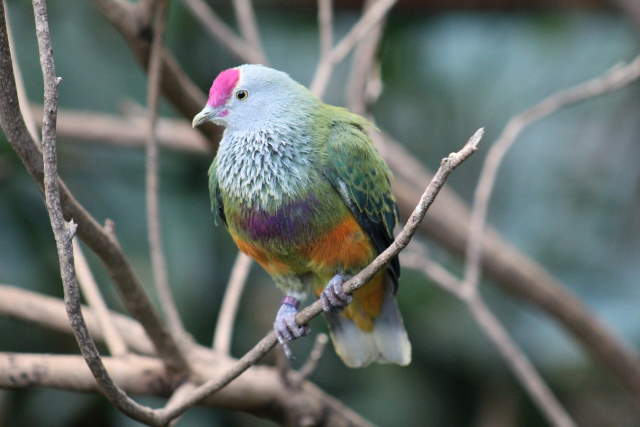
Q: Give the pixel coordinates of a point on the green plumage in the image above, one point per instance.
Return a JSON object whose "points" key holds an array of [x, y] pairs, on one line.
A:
{"points": [[302, 190]]}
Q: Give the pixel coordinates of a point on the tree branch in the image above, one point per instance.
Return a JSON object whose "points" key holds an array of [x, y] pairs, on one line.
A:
{"points": [[156, 249], [515, 358], [258, 391], [364, 85], [91, 292], [244, 50], [64, 231], [48, 312], [365, 24], [248, 27], [325, 27], [96, 237], [230, 303], [619, 76], [127, 131]]}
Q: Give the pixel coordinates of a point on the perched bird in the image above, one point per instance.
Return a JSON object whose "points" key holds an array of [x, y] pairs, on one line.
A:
{"points": [[302, 190]]}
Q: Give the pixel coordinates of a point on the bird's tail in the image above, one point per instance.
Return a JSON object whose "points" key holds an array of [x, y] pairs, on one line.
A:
{"points": [[371, 328]]}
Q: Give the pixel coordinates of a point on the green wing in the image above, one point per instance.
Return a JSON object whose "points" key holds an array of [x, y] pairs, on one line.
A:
{"points": [[214, 193], [362, 178]]}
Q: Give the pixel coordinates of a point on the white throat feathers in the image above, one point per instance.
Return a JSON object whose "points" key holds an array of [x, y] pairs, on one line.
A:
{"points": [[265, 168]]}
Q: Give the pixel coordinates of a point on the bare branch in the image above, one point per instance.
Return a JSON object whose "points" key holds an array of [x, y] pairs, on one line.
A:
{"points": [[128, 131], [156, 249], [91, 292], [64, 231], [100, 241], [177, 397], [268, 342], [219, 30], [248, 27], [364, 84], [325, 24], [365, 24], [314, 358], [22, 93], [619, 76], [258, 391], [520, 364], [230, 302], [49, 313]]}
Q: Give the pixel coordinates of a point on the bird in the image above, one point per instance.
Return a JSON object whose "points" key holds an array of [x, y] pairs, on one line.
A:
{"points": [[302, 190]]}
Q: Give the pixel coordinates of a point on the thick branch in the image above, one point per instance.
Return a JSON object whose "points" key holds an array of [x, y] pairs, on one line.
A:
{"points": [[259, 391]]}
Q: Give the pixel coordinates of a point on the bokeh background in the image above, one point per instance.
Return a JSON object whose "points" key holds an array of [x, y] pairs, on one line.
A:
{"points": [[568, 196]]}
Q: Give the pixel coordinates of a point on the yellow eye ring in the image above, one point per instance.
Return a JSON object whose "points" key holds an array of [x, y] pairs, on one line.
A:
{"points": [[242, 95]]}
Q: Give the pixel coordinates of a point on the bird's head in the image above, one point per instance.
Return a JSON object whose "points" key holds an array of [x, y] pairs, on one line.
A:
{"points": [[250, 96]]}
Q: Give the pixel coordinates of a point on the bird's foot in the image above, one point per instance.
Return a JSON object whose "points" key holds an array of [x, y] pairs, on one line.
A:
{"points": [[333, 298], [285, 324]]}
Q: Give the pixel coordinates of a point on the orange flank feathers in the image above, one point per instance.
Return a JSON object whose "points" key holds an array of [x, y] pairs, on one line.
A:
{"points": [[345, 246], [273, 266], [348, 248]]}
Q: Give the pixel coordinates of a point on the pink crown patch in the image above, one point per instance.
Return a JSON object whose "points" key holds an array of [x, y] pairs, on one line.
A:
{"points": [[223, 86]]}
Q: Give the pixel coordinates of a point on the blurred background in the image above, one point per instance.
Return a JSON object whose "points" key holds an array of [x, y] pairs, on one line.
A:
{"points": [[568, 195]]}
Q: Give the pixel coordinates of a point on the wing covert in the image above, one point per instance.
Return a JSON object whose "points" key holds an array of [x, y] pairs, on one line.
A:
{"points": [[358, 173]]}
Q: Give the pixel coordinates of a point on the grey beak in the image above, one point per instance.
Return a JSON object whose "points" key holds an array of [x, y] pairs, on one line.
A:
{"points": [[206, 114]]}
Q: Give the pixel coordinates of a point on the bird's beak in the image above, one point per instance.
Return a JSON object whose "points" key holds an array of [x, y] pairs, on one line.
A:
{"points": [[207, 113]]}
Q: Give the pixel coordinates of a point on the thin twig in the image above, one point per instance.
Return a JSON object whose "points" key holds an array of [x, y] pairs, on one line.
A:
{"points": [[515, 358], [325, 27], [17, 72], [617, 77], [156, 249], [91, 291], [246, 18], [268, 342], [64, 231], [365, 24], [219, 30], [363, 85], [177, 397], [314, 358], [230, 303], [520, 364]]}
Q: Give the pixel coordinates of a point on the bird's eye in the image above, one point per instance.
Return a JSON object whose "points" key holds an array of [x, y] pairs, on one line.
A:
{"points": [[242, 95]]}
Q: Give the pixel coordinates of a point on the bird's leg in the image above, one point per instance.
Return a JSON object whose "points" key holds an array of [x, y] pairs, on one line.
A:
{"points": [[333, 298], [285, 324]]}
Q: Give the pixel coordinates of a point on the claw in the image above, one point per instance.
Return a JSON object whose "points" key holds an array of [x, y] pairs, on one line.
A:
{"points": [[286, 328], [333, 298]]}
